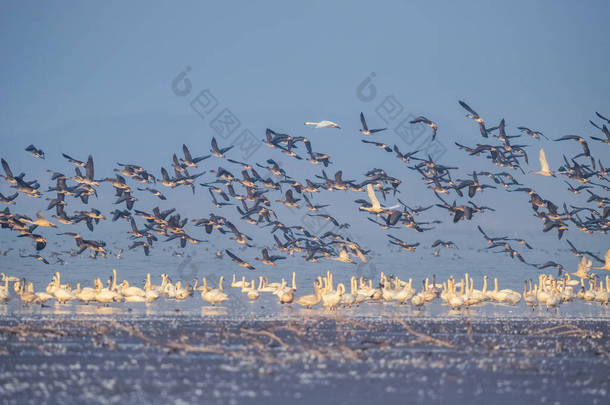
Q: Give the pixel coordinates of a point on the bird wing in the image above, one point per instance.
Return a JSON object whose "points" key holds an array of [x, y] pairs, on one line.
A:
{"points": [[360, 255], [467, 108], [71, 159], [133, 226], [567, 137], [187, 154], [165, 174], [374, 201], [483, 130], [89, 167], [585, 148], [225, 150], [232, 256], [582, 266], [363, 121], [602, 117], [327, 124], [6, 168], [234, 230], [544, 166], [421, 118]]}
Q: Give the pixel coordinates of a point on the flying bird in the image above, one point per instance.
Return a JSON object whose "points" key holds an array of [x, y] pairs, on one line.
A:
{"points": [[606, 265], [35, 152], [267, 259], [219, 152], [76, 162], [448, 244], [544, 166], [533, 134], [8, 200], [604, 130], [365, 129], [583, 142], [475, 117], [404, 245], [426, 121], [579, 253], [375, 206], [238, 260], [189, 160], [323, 124], [379, 145]]}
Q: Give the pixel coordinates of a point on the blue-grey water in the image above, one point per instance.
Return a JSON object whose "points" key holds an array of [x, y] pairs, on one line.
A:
{"points": [[200, 261]]}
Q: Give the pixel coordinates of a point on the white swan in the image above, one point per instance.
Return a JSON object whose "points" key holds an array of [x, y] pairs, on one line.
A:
{"points": [[323, 124], [4, 295], [375, 206], [332, 299], [544, 166], [216, 295]]}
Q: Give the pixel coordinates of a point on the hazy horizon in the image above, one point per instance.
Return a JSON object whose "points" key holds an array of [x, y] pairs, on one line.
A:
{"points": [[90, 79]]}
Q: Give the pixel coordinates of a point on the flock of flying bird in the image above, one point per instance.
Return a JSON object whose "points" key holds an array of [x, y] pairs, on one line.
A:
{"points": [[250, 194]]}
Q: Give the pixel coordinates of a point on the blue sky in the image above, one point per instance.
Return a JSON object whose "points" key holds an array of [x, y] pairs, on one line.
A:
{"points": [[96, 78]]}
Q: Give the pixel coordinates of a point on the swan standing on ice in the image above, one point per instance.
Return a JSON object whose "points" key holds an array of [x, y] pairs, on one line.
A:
{"points": [[309, 301]]}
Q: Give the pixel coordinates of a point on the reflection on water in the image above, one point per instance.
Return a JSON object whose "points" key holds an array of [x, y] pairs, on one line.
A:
{"points": [[95, 309], [213, 311], [238, 306]]}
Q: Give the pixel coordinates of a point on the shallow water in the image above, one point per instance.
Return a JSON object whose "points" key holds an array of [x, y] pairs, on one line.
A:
{"points": [[188, 351], [319, 359], [199, 261]]}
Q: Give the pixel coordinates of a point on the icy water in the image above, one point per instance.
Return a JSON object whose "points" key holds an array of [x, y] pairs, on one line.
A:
{"points": [[317, 359], [199, 261], [260, 351]]}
